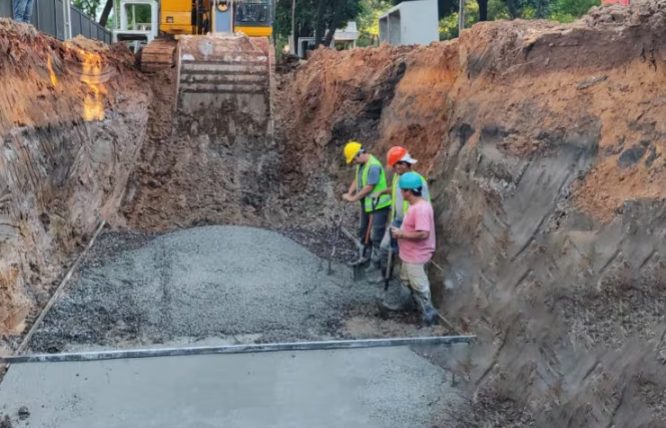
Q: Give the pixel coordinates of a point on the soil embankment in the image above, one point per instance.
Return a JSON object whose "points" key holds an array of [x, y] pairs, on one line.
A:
{"points": [[544, 147], [72, 118]]}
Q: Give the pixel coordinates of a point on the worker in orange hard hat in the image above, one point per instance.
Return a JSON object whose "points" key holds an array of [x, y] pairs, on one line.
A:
{"points": [[369, 179], [401, 162]]}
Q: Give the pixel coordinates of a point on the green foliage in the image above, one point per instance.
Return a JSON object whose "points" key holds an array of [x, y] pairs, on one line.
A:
{"points": [[334, 14], [570, 10], [448, 26], [368, 21], [89, 7], [142, 15], [557, 10]]}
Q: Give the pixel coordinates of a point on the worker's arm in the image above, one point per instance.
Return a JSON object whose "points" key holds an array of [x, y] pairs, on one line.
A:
{"points": [[350, 193], [386, 191], [418, 235], [374, 172], [352, 188], [362, 193]]}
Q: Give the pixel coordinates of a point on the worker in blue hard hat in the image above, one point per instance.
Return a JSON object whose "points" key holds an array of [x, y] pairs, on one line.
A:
{"points": [[401, 162], [416, 240]]}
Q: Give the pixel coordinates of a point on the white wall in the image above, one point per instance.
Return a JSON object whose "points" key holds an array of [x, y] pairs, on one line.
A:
{"points": [[410, 23], [419, 22]]}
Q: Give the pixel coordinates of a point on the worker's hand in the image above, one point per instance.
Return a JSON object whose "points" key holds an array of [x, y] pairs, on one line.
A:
{"points": [[396, 232], [347, 197]]}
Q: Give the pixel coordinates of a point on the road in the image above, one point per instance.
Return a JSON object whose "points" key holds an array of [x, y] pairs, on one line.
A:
{"points": [[374, 388]]}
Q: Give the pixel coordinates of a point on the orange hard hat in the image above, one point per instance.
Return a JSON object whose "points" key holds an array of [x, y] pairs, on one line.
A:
{"points": [[394, 154]]}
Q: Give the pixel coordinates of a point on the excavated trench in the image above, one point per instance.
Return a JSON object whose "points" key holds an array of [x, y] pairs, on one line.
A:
{"points": [[199, 247], [543, 146], [212, 284]]}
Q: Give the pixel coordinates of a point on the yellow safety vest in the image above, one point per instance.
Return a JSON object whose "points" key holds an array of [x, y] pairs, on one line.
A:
{"points": [[384, 200]]}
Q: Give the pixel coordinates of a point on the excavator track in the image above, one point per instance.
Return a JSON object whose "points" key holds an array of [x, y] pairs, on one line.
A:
{"points": [[225, 86], [158, 55]]}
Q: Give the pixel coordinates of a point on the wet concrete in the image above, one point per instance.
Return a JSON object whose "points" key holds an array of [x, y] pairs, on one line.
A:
{"points": [[390, 387], [217, 284], [220, 281]]}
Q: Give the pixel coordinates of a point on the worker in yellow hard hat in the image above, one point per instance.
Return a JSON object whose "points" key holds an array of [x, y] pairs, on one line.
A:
{"points": [[369, 179]]}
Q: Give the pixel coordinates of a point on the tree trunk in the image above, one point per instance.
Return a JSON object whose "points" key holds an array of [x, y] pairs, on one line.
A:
{"points": [[294, 40], [514, 8], [339, 4], [105, 13], [320, 25], [330, 33], [483, 10]]}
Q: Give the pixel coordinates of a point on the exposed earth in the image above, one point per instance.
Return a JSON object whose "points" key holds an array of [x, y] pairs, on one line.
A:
{"points": [[542, 143]]}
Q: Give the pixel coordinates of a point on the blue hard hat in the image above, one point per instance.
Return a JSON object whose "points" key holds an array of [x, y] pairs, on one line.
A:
{"points": [[410, 180]]}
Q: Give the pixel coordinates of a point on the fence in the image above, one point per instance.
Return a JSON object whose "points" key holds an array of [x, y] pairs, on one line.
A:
{"points": [[49, 18]]}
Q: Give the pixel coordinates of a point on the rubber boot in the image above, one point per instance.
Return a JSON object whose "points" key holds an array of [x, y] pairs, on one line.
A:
{"points": [[374, 273], [384, 307], [360, 261], [428, 311]]}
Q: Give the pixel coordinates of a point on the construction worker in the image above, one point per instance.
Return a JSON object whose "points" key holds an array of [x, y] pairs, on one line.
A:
{"points": [[416, 240], [398, 159], [369, 179]]}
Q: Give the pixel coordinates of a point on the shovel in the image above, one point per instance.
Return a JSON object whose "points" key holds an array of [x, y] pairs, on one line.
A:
{"points": [[383, 308], [335, 244]]}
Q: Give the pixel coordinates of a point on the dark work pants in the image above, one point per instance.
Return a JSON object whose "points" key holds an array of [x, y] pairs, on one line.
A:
{"points": [[379, 223]]}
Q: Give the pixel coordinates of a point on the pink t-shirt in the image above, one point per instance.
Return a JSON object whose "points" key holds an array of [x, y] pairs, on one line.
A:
{"points": [[421, 218]]}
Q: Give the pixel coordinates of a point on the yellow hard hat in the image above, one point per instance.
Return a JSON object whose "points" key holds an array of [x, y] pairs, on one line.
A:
{"points": [[351, 150]]}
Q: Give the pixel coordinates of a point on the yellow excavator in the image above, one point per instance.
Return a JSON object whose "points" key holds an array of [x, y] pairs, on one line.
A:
{"points": [[253, 18], [225, 63]]}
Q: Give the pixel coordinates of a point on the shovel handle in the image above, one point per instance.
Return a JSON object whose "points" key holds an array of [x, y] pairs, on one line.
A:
{"points": [[375, 202], [389, 264]]}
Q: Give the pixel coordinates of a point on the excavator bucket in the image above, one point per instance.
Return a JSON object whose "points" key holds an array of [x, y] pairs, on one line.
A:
{"points": [[224, 87]]}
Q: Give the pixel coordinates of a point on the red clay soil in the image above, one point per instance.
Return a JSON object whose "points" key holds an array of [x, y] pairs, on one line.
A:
{"points": [[72, 117], [543, 144]]}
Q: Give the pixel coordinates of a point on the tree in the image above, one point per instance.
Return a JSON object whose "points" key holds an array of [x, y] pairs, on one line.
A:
{"points": [[341, 12], [557, 10], [514, 7], [448, 26], [548, 9], [483, 10], [143, 14], [318, 18], [570, 10], [89, 7], [368, 20], [105, 13]]}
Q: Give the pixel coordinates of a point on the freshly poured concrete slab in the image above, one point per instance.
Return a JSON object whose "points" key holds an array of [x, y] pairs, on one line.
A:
{"points": [[380, 387]]}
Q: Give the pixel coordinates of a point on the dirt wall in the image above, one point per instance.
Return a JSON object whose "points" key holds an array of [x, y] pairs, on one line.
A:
{"points": [[72, 118], [210, 157], [543, 145]]}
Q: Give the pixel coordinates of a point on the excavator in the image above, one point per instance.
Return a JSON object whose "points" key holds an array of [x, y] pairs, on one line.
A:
{"points": [[225, 63]]}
